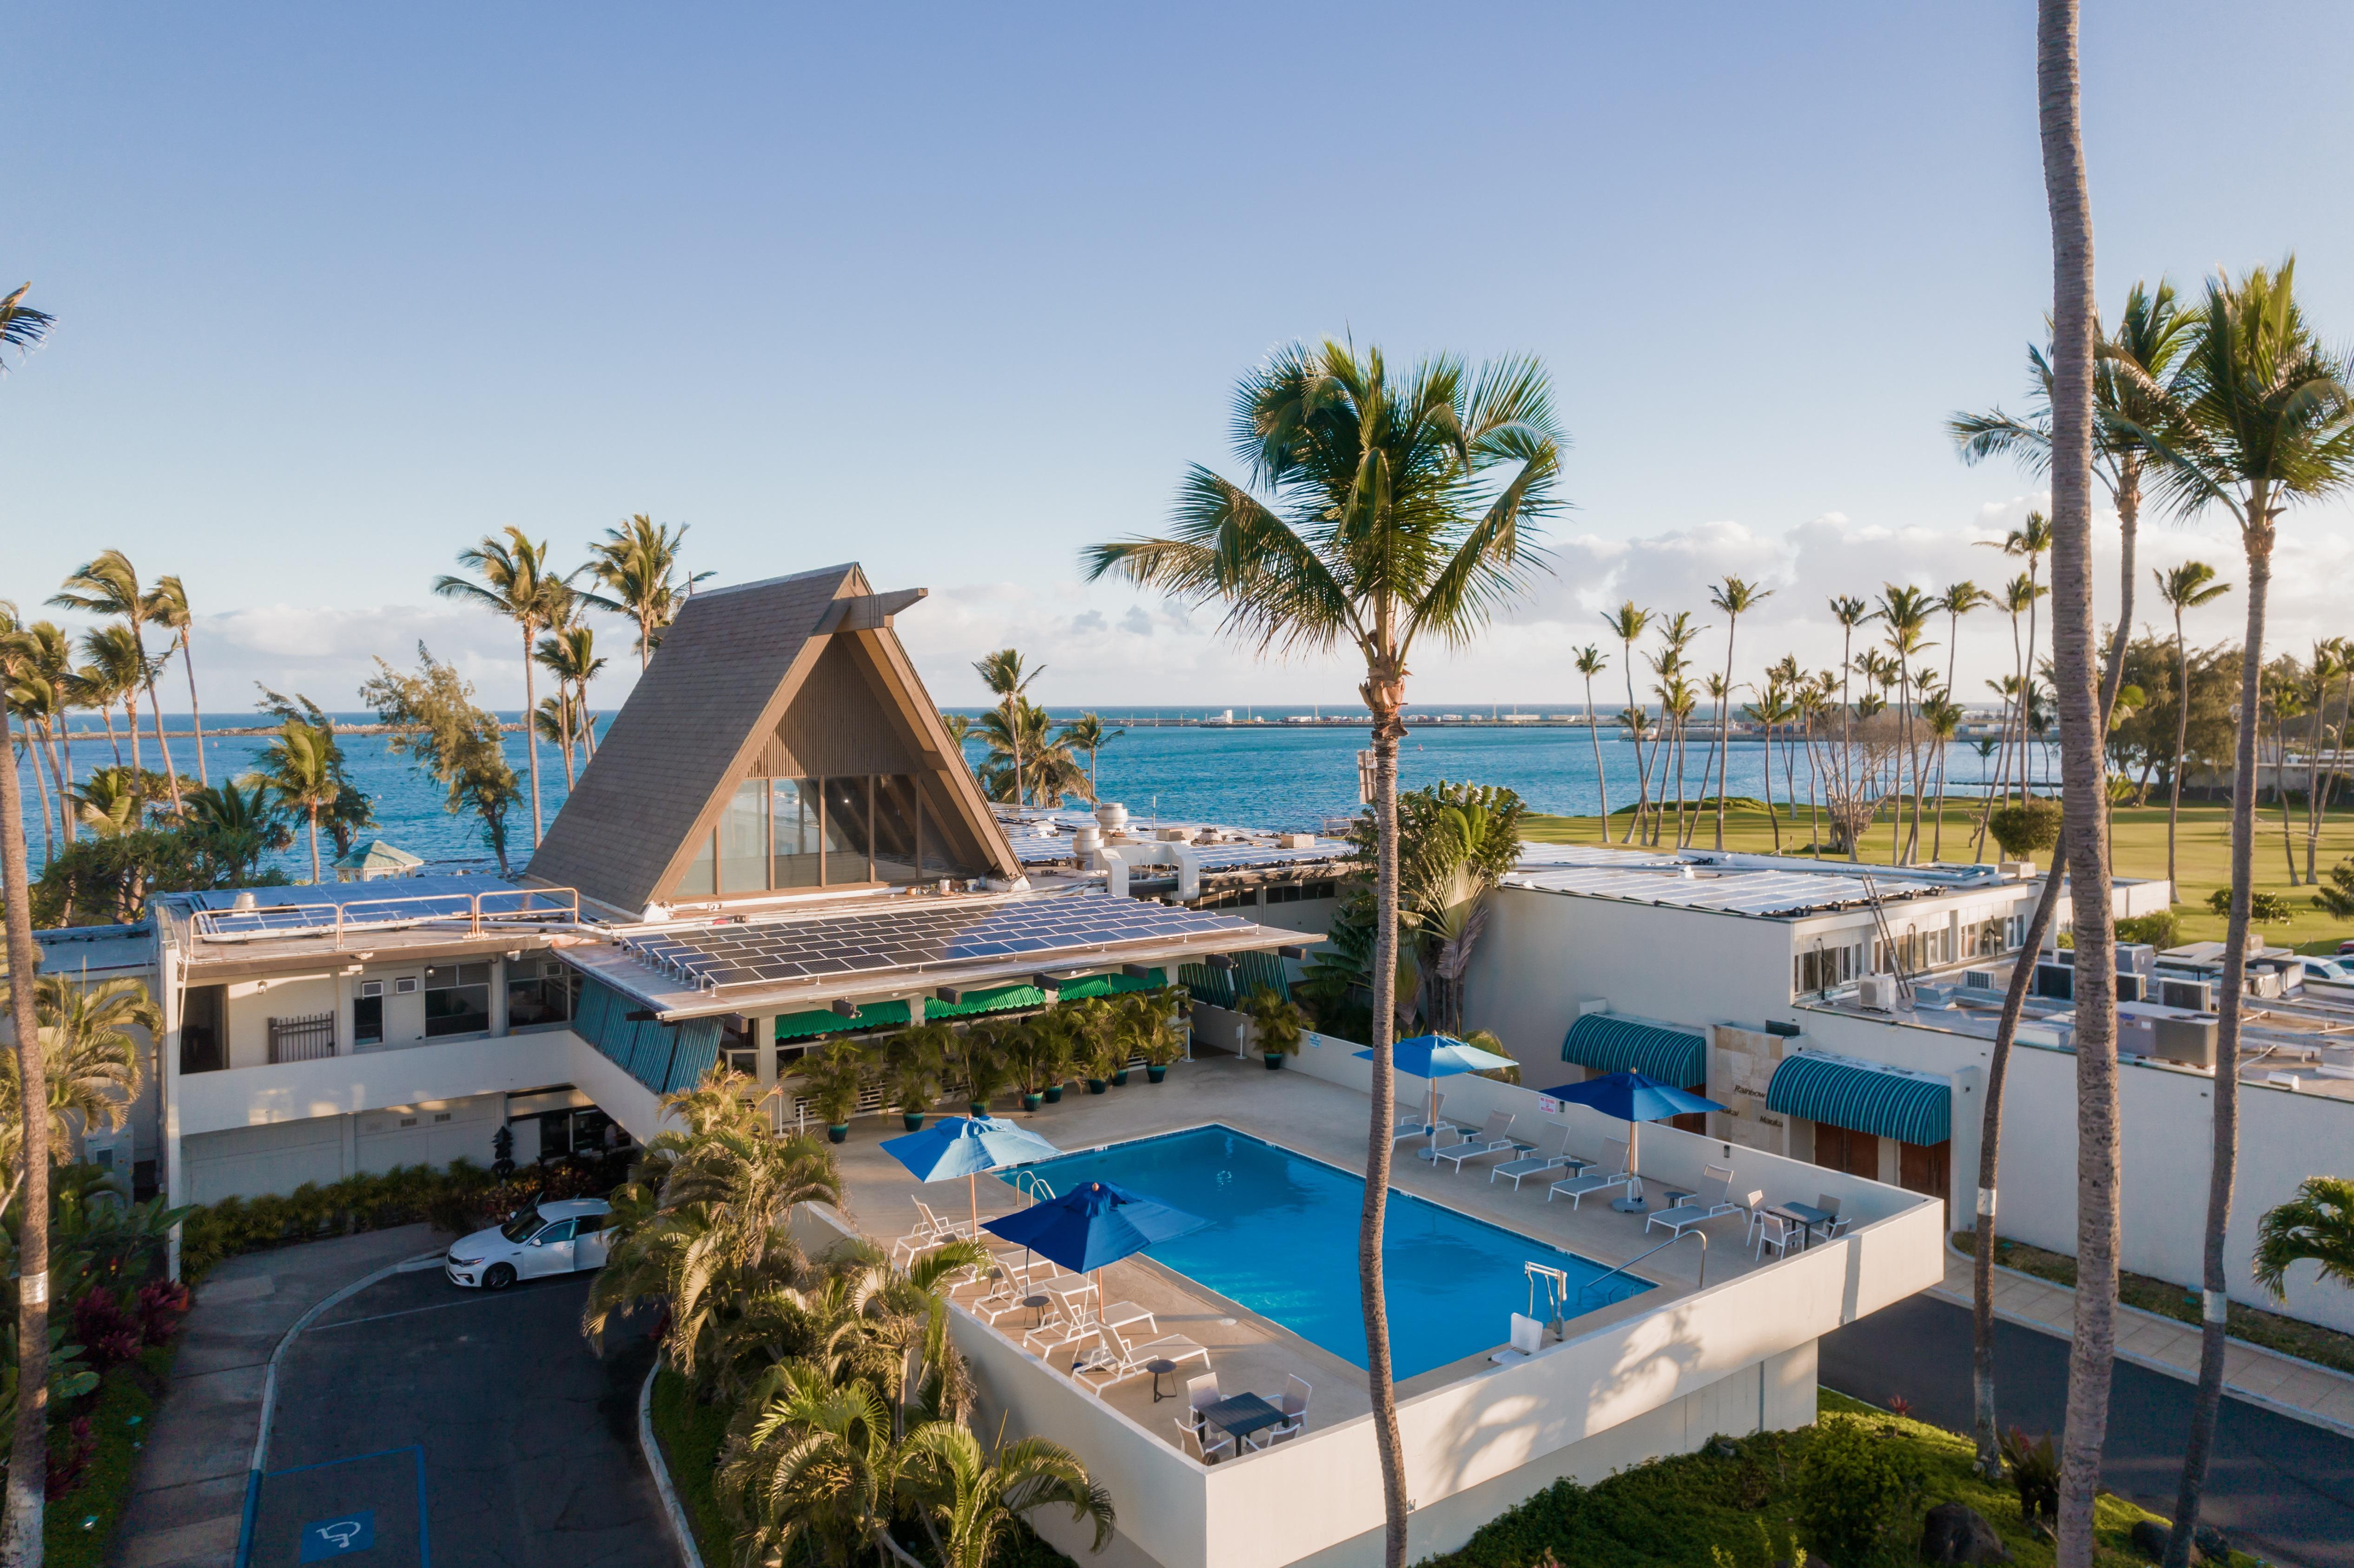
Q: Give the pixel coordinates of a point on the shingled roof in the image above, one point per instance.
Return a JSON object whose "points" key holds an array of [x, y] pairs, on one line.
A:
{"points": [[707, 707]]}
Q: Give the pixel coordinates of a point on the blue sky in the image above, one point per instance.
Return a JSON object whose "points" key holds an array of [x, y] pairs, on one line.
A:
{"points": [[953, 291]]}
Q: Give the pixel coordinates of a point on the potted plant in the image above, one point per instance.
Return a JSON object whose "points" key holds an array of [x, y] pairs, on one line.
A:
{"points": [[912, 1064], [1056, 1048], [1021, 1049], [1153, 1033], [1277, 1023], [980, 1056], [832, 1079], [1102, 1049]]}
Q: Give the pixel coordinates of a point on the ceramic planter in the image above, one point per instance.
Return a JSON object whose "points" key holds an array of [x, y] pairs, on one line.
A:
{"points": [[978, 1107], [1054, 1094], [838, 1133], [1274, 1061], [1119, 1079], [1097, 1086], [1155, 1073], [913, 1120], [1031, 1102]]}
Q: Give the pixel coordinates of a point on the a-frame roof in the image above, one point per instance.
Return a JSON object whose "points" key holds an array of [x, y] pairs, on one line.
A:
{"points": [[703, 714]]}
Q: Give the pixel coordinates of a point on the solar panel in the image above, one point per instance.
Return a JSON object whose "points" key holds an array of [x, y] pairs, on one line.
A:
{"points": [[1235, 857], [922, 935]]}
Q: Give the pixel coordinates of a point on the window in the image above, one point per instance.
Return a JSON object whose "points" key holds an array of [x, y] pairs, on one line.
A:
{"points": [[204, 1030], [696, 880], [898, 830], [1289, 894], [743, 839], [561, 1231], [457, 1000], [793, 832], [540, 990], [1317, 890], [368, 1019], [848, 813]]}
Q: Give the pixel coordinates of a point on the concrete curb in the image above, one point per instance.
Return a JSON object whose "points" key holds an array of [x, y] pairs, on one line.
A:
{"points": [[269, 1388], [681, 1529]]}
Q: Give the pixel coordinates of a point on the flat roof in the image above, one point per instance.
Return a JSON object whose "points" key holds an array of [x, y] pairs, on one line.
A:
{"points": [[1041, 837], [1770, 886]]}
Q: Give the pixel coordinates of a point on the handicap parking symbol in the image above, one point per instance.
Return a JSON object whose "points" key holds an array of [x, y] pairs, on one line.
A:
{"points": [[354, 1531]]}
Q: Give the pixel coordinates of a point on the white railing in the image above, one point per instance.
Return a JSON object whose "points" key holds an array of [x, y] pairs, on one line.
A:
{"points": [[337, 918]]}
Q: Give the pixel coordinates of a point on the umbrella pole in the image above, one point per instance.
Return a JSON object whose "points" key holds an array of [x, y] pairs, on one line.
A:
{"points": [[1630, 1203], [1430, 1120], [973, 1191]]}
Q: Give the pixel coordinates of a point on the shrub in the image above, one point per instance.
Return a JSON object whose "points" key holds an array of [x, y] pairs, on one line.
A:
{"points": [[1855, 1494], [108, 1334], [2159, 930], [2271, 909], [161, 1305], [2034, 1472], [2026, 828]]}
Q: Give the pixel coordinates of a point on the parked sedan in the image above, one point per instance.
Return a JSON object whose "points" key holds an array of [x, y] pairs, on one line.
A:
{"points": [[543, 1239]]}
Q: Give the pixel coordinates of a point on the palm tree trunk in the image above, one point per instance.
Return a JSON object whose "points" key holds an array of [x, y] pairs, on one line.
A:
{"points": [[1601, 783], [29, 1468], [195, 710], [2280, 791], [531, 731], [2128, 505], [1983, 1424], [2224, 1155], [1724, 732], [1642, 770], [41, 785], [1937, 832], [2313, 775], [130, 723], [1814, 778], [313, 811], [66, 779], [2093, 1347], [1395, 1504], [2181, 744], [1681, 720], [1771, 819], [171, 774], [1903, 748]]}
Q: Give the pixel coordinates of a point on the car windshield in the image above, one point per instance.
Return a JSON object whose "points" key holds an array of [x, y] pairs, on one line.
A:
{"points": [[522, 1227]]}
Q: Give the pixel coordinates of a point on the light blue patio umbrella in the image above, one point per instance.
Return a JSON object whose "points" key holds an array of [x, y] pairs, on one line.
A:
{"points": [[1436, 1056], [967, 1146], [1633, 1099]]}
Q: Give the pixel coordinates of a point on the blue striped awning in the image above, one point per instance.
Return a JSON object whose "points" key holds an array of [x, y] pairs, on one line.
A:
{"points": [[1609, 1043], [665, 1058], [1889, 1105]]}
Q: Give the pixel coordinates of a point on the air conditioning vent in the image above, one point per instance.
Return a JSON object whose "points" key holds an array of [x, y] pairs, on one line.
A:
{"points": [[404, 985], [1877, 992], [371, 988], [2192, 996], [2131, 986]]}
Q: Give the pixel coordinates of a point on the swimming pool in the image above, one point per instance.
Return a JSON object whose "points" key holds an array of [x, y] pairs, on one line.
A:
{"points": [[1282, 1241]]}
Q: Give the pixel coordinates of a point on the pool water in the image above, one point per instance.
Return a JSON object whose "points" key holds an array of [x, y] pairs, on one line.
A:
{"points": [[1282, 1241]]}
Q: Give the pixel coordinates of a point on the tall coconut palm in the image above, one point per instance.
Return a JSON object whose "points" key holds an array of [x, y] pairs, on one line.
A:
{"points": [[300, 766], [2328, 664], [1849, 612], [1008, 679], [1737, 598], [1627, 624], [1049, 770], [30, 699], [112, 675], [109, 585], [1678, 700], [517, 583], [1590, 663], [2266, 421], [1905, 612], [1087, 733], [1772, 708], [1943, 716], [28, 1467], [569, 653], [2083, 773], [48, 664], [1395, 510], [166, 604], [636, 569]]}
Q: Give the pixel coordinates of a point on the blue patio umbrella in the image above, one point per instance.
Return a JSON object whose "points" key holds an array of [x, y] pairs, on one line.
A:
{"points": [[1094, 1223], [967, 1146], [1633, 1099], [1436, 1056]]}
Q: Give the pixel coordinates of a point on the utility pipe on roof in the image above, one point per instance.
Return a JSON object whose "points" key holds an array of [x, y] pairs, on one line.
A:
{"points": [[1117, 858]]}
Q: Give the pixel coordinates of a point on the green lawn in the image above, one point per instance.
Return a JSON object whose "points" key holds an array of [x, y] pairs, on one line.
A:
{"points": [[2203, 853]]}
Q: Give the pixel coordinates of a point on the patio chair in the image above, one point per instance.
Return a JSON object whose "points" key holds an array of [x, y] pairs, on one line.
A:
{"points": [[1191, 1439], [1415, 1124], [1754, 1202], [1003, 1295], [1614, 1159], [1294, 1405], [1537, 1164], [1528, 1338], [1834, 1227], [1494, 1138], [1712, 1200], [1060, 1331], [1117, 1360], [1776, 1231]]}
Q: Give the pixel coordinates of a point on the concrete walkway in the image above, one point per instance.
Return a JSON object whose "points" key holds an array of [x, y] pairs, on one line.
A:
{"points": [[189, 1494], [2284, 1383]]}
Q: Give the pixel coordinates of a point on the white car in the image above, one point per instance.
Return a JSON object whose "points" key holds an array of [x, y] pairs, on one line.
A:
{"points": [[544, 1239]]}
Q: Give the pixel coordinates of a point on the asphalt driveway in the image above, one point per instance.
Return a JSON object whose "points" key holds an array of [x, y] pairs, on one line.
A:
{"points": [[481, 1423]]}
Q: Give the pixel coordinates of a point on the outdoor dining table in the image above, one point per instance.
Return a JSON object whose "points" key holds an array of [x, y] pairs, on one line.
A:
{"points": [[1241, 1415], [1807, 1215]]}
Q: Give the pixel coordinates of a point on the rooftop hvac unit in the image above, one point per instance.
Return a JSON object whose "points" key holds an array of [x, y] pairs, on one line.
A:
{"points": [[2056, 982], [1979, 979], [2192, 996], [2190, 1041], [2136, 958], [1877, 992], [1785, 1028], [371, 988], [2132, 986], [2264, 979]]}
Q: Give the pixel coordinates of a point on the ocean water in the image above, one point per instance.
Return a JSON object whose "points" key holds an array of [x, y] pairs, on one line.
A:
{"points": [[1271, 775], [1281, 1239]]}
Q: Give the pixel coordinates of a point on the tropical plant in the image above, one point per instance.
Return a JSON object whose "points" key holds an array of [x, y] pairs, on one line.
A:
{"points": [[91, 1075], [979, 1059], [166, 604], [238, 826], [2034, 1475], [1392, 509], [22, 327], [113, 674], [1277, 1023], [109, 585], [2315, 1226], [1855, 1494], [1456, 841], [2185, 588], [1152, 1025], [1737, 598], [1629, 624], [517, 582], [1021, 745], [636, 569], [1008, 679], [969, 1500], [2266, 422], [1905, 612], [913, 1061], [1087, 733], [833, 1078], [1101, 1029], [569, 653], [1590, 663], [435, 724], [296, 766]]}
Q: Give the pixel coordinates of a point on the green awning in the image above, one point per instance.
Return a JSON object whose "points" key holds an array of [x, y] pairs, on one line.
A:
{"points": [[1609, 1043], [1900, 1106], [1224, 988], [1002, 999]]}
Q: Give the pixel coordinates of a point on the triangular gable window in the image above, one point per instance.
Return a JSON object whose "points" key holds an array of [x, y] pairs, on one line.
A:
{"points": [[860, 829]]}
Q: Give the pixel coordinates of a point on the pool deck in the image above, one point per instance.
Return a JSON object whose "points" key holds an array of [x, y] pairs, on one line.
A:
{"points": [[1312, 1117]]}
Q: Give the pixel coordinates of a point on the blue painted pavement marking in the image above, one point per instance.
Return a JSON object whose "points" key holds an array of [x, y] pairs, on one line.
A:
{"points": [[354, 1531]]}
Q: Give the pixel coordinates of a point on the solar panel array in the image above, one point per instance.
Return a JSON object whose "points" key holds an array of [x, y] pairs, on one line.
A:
{"points": [[918, 936], [1237, 857], [1735, 891]]}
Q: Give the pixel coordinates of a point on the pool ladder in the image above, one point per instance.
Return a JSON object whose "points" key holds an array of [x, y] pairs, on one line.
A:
{"points": [[1557, 1288], [1033, 1186]]}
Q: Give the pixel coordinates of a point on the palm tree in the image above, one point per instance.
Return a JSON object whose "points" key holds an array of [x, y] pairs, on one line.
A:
{"points": [[1087, 733], [1770, 709], [1004, 674], [92, 1075], [166, 604], [48, 664], [2185, 588], [111, 676], [1049, 770], [21, 326], [636, 565], [2076, 683], [1943, 717], [2314, 1227], [2032, 541], [299, 766], [110, 586], [1590, 663], [516, 583], [2328, 662], [2132, 392], [2266, 421], [569, 653], [970, 1500], [1678, 700], [1385, 522], [240, 826], [1629, 624], [1849, 612], [29, 1462], [1737, 598], [1905, 610]]}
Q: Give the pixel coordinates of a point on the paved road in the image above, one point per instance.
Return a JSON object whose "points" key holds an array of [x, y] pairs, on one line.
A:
{"points": [[2279, 1485], [487, 1410]]}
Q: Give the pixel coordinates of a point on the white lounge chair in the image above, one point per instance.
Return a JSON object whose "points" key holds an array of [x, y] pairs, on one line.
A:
{"points": [[1527, 1336], [1714, 1200], [1613, 1159], [1119, 1360], [1417, 1124], [1494, 1138], [1538, 1163], [931, 1230]]}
